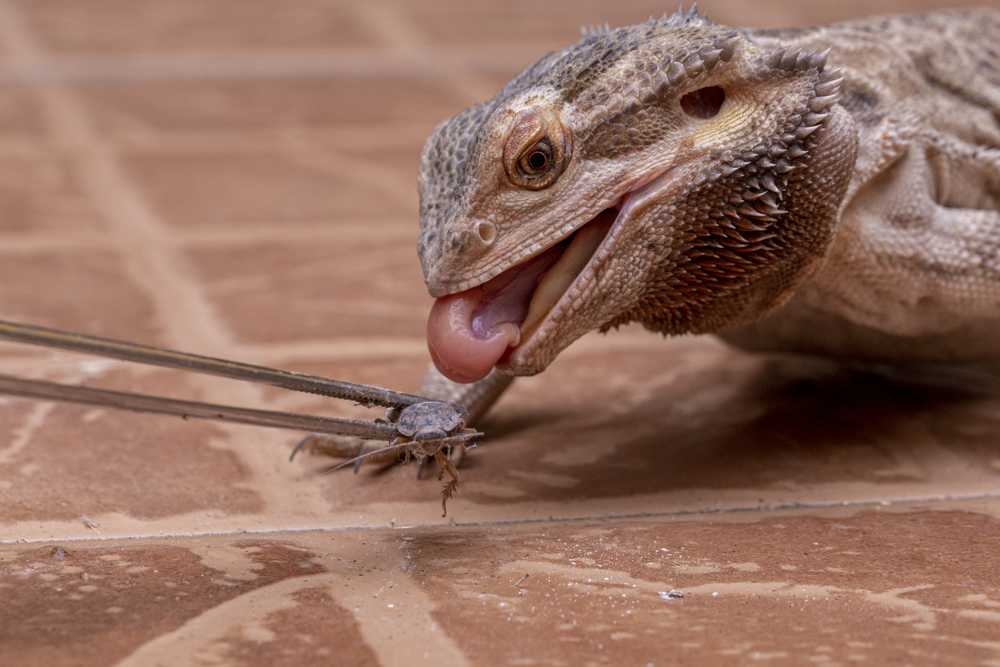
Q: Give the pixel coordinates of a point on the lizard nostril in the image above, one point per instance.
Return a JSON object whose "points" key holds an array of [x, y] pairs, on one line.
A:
{"points": [[487, 232], [703, 103]]}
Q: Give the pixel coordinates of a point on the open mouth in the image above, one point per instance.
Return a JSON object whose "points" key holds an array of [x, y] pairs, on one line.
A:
{"points": [[470, 332]]}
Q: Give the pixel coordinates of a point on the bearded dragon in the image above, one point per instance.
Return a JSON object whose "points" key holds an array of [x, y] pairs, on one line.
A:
{"points": [[831, 190]]}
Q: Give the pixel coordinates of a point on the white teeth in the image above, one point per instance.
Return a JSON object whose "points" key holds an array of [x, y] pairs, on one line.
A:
{"points": [[513, 333]]}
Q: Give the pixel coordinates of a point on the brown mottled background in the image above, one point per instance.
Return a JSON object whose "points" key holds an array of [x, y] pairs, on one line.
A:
{"points": [[238, 179]]}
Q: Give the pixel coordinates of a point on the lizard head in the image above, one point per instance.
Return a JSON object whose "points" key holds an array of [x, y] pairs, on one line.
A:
{"points": [[671, 173]]}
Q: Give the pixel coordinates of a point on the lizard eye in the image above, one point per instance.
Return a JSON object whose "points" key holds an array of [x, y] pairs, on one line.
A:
{"points": [[537, 150], [536, 160]]}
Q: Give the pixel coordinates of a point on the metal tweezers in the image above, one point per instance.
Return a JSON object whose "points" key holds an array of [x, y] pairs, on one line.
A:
{"points": [[359, 393]]}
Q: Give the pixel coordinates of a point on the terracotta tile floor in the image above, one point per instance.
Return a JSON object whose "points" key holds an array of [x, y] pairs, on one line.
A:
{"points": [[239, 181]]}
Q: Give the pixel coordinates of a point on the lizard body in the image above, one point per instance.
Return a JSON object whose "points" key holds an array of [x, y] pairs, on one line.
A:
{"points": [[701, 179], [831, 190], [913, 273]]}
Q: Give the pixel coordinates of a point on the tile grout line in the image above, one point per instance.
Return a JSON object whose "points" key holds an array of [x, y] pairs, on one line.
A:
{"points": [[725, 511]]}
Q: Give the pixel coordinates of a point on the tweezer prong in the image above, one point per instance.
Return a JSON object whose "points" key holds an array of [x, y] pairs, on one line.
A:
{"points": [[144, 354], [53, 391]]}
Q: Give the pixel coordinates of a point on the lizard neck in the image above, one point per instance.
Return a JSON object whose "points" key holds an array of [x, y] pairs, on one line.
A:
{"points": [[699, 297]]}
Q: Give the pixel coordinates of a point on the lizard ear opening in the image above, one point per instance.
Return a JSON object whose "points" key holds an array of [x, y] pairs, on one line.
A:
{"points": [[703, 103]]}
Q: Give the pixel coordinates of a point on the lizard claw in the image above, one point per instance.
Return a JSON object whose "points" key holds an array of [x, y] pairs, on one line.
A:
{"points": [[361, 457]]}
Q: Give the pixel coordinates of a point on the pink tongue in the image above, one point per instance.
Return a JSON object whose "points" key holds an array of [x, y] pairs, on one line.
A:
{"points": [[469, 332]]}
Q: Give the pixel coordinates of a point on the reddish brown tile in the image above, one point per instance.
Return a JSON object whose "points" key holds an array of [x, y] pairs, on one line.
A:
{"points": [[484, 24], [88, 291], [225, 105], [325, 289], [123, 27], [316, 631], [788, 591], [777, 13], [555, 25], [75, 604], [256, 189], [20, 115], [41, 193], [746, 422], [81, 460]]}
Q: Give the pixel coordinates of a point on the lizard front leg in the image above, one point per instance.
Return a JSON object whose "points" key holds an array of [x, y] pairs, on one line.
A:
{"points": [[477, 397]]}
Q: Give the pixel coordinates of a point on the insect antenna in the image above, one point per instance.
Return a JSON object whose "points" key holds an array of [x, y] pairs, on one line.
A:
{"points": [[359, 459]]}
